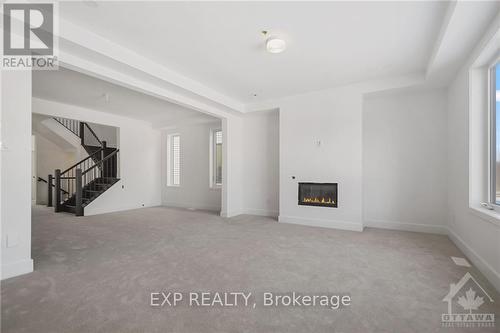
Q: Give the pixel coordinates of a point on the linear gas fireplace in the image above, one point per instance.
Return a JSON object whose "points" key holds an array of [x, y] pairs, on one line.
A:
{"points": [[318, 194]]}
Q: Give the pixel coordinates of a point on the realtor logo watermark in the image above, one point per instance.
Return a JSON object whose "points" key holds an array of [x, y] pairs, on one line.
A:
{"points": [[29, 31], [465, 299]]}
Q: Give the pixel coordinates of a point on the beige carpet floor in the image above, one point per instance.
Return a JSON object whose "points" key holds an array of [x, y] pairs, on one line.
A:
{"points": [[96, 273]]}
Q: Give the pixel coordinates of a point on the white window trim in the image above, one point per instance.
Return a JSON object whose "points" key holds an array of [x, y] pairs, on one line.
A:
{"points": [[170, 161], [492, 135], [211, 159], [481, 202]]}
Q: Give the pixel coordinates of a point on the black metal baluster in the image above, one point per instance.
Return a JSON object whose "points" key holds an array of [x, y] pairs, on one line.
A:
{"points": [[57, 207], [70, 174], [82, 133], [49, 193], [78, 193]]}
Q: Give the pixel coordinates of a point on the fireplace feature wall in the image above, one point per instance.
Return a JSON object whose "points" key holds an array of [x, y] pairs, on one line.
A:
{"points": [[318, 194]]}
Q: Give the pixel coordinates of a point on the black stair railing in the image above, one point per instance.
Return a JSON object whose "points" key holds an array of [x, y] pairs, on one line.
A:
{"points": [[88, 136], [82, 130], [66, 180], [72, 125], [86, 180], [91, 182], [50, 185]]}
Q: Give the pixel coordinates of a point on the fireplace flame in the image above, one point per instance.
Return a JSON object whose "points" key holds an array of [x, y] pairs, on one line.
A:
{"points": [[326, 201]]}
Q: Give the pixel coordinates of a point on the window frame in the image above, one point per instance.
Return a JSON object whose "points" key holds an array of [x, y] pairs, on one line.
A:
{"points": [[170, 160], [492, 135], [213, 160]]}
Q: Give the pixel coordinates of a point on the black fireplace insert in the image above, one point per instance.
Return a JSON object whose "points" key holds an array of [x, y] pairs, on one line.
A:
{"points": [[318, 194]]}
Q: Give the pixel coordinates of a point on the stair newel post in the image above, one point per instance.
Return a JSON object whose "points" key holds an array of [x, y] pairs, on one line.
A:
{"points": [[49, 192], [103, 154], [78, 193], [82, 131], [57, 206]]}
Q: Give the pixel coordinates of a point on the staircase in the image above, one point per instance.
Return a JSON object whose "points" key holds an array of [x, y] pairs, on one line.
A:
{"points": [[83, 182]]}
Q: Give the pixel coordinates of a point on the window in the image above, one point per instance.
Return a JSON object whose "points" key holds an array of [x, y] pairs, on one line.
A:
{"points": [[174, 160], [495, 134], [483, 80], [216, 158]]}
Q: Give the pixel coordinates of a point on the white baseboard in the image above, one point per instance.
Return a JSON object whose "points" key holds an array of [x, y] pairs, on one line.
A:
{"points": [[334, 224], [231, 214], [89, 210], [17, 268], [250, 211], [481, 264], [261, 212], [416, 227], [191, 206]]}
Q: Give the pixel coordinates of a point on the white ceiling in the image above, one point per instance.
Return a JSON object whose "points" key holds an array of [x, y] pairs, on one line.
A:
{"points": [[462, 29], [220, 45], [70, 87]]}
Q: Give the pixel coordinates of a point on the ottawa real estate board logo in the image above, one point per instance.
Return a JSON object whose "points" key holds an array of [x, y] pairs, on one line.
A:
{"points": [[29, 40], [466, 301]]}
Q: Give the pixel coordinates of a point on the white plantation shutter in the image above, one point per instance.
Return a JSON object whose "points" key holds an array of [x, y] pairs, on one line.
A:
{"points": [[218, 137], [217, 151], [176, 160]]}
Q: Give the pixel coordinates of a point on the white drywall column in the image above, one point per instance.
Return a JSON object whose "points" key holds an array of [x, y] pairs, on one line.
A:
{"points": [[404, 155], [16, 173], [261, 163], [322, 145], [232, 164]]}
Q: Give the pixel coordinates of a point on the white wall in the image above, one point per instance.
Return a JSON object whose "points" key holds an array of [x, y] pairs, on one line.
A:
{"points": [[256, 176], [140, 158], [194, 191], [106, 133], [321, 141], [404, 160], [232, 171], [476, 236], [261, 163], [474, 229], [334, 118], [16, 173]]}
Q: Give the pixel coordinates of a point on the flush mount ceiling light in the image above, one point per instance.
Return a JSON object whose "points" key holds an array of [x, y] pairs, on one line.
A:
{"points": [[275, 45]]}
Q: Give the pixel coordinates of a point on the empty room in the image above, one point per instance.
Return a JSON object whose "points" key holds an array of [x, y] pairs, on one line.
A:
{"points": [[178, 166]]}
